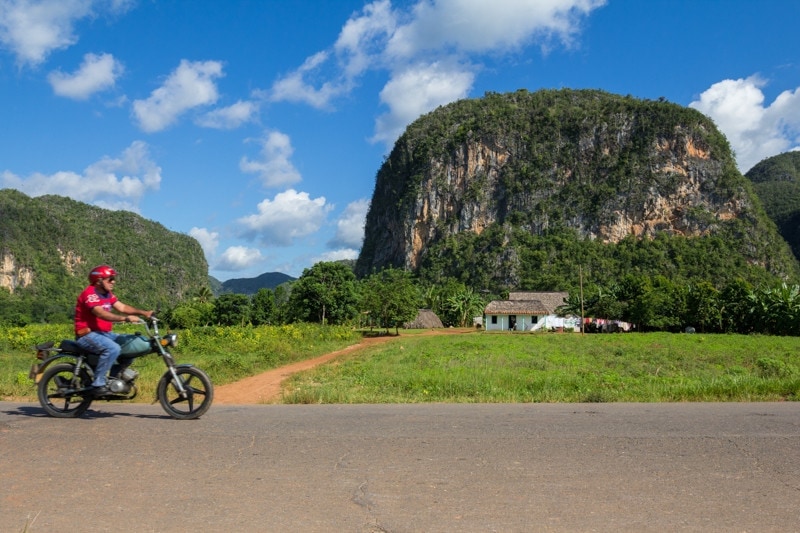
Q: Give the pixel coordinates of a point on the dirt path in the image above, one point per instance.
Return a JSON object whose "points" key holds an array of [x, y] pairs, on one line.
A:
{"points": [[266, 387]]}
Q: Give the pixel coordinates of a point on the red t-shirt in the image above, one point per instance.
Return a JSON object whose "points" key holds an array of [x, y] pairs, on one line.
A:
{"points": [[89, 298]]}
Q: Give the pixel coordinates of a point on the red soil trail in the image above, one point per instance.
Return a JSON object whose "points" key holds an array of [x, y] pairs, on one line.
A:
{"points": [[266, 387]]}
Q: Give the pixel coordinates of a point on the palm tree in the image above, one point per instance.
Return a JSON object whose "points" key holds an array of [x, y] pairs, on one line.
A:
{"points": [[465, 304]]}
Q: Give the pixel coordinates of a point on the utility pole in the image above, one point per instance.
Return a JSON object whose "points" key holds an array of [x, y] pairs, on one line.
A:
{"points": [[580, 271]]}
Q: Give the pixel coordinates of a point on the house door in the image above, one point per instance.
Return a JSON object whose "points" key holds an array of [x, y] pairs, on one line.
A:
{"points": [[512, 322]]}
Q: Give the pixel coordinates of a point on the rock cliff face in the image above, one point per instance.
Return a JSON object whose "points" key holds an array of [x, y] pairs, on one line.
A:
{"points": [[13, 275], [605, 166]]}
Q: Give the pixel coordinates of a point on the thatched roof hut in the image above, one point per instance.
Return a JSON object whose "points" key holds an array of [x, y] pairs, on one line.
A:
{"points": [[550, 300], [426, 319], [516, 307]]}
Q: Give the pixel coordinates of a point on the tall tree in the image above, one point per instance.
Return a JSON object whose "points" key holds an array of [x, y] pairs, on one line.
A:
{"points": [[390, 297], [232, 310], [262, 307], [325, 293]]}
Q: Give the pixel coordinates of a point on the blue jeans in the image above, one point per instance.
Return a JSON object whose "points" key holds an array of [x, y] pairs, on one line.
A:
{"points": [[105, 345]]}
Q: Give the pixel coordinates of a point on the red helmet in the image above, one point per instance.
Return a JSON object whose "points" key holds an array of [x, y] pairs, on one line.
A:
{"points": [[101, 272]]}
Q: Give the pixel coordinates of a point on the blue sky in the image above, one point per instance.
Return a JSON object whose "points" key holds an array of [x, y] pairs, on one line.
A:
{"points": [[258, 126]]}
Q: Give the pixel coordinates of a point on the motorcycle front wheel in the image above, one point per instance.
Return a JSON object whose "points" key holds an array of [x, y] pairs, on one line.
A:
{"points": [[58, 395], [197, 398]]}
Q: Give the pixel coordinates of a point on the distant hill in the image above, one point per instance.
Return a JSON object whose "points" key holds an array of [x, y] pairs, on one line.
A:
{"points": [[268, 280], [515, 191], [48, 244], [776, 180]]}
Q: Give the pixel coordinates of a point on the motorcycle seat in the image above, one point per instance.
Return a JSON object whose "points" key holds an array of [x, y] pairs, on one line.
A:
{"points": [[71, 346]]}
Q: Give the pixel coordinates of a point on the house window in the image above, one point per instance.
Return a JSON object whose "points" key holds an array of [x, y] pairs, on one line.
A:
{"points": [[494, 319], [534, 319]]}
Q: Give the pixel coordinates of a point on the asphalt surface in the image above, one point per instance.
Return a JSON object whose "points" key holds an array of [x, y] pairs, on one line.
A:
{"points": [[404, 468]]}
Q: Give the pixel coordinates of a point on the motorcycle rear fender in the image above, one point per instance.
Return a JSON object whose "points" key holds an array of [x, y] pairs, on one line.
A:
{"points": [[38, 368]]}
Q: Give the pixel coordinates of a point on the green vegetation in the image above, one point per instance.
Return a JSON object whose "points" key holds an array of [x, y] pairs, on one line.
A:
{"points": [[390, 298], [649, 299], [227, 353], [464, 367], [487, 367], [570, 163], [776, 180], [58, 240], [326, 293]]}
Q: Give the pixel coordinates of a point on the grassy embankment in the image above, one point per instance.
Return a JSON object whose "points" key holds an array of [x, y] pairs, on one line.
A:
{"points": [[470, 367], [487, 367], [226, 353]]}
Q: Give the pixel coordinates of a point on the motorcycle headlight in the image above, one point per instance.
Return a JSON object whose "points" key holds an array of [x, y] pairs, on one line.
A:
{"points": [[169, 340]]}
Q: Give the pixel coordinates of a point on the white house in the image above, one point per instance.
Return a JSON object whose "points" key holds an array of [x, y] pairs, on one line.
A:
{"points": [[528, 311]]}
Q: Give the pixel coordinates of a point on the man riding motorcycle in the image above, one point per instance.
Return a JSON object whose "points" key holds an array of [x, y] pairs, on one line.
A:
{"points": [[94, 320]]}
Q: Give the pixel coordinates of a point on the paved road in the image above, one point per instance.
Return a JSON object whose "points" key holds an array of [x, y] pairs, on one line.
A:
{"points": [[404, 468]]}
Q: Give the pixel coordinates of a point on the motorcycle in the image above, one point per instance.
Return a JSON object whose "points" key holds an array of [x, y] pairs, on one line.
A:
{"points": [[65, 374]]}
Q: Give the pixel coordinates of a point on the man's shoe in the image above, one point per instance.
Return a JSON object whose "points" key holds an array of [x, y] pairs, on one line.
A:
{"points": [[97, 392]]}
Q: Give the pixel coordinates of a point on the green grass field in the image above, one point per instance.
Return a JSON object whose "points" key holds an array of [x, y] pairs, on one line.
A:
{"points": [[469, 367], [489, 367]]}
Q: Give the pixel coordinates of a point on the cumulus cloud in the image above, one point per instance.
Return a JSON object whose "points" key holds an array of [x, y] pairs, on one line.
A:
{"points": [[209, 240], [416, 91], [96, 73], [363, 37], [754, 129], [231, 117], [112, 182], [429, 51], [32, 29], [350, 226], [237, 258], [275, 168], [191, 85], [337, 255], [295, 88], [470, 26], [287, 217]]}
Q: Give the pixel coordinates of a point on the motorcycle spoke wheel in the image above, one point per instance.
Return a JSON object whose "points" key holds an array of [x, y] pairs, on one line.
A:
{"points": [[57, 396], [197, 399]]}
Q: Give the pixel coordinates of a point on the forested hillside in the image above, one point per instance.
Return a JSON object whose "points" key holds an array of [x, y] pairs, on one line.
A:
{"points": [[532, 190], [48, 245], [777, 182]]}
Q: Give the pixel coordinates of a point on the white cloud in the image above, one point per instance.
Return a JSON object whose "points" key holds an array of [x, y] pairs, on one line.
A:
{"points": [[362, 39], [275, 168], [350, 226], [289, 216], [478, 26], [294, 88], [238, 258], [113, 183], [190, 85], [416, 91], [32, 29], [209, 240], [754, 130], [337, 255], [358, 47], [429, 51], [96, 73], [231, 117]]}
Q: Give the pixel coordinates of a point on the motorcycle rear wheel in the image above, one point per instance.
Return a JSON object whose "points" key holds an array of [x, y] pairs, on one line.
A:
{"points": [[198, 398], [57, 395]]}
